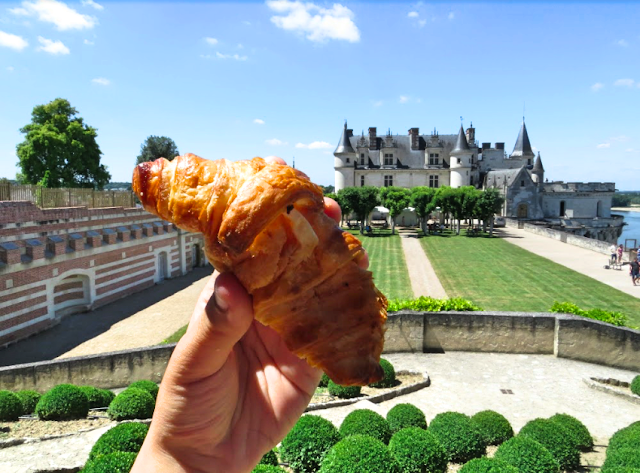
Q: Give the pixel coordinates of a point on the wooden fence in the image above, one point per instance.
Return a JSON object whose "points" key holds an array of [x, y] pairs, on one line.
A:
{"points": [[67, 197]]}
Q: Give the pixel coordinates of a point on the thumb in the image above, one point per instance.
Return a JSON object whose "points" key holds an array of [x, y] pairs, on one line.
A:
{"points": [[213, 332]]}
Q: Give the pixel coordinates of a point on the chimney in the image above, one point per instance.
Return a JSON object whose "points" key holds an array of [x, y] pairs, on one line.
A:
{"points": [[10, 253], [93, 239], [349, 133], [414, 133], [124, 234], [486, 145], [35, 249], [373, 140], [56, 245], [471, 135], [500, 146]]}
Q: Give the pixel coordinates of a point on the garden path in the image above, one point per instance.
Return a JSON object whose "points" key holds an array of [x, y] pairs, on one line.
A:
{"points": [[424, 281]]}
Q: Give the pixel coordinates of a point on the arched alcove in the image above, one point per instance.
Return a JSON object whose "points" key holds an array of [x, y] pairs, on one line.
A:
{"points": [[72, 294]]}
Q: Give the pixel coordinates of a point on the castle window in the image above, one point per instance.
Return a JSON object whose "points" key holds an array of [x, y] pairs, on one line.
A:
{"points": [[433, 159], [433, 181], [362, 159], [522, 183], [347, 160], [388, 159], [388, 181], [529, 162], [562, 209], [361, 181]]}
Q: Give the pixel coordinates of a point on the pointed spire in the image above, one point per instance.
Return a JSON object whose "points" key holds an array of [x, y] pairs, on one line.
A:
{"points": [[522, 149], [461, 143], [537, 166], [344, 146]]}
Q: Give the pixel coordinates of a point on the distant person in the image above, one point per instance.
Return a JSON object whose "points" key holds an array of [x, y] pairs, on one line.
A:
{"points": [[619, 252], [614, 253], [634, 271]]}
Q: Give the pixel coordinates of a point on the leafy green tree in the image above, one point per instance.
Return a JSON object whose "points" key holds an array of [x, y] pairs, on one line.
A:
{"points": [[328, 190], [396, 199], [61, 143], [445, 199], [489, 203], [155, 147], [360, 200], [469, 196], [424, 201]]}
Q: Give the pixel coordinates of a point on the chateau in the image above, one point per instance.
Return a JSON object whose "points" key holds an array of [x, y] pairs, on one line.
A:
{"points": [[456, 160]]}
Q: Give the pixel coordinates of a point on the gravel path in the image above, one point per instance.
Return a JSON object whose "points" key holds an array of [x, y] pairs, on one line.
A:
{"points": [[424, 281]]}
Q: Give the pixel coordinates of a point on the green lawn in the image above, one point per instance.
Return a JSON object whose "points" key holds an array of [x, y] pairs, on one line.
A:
{"points": [[497, 275]]}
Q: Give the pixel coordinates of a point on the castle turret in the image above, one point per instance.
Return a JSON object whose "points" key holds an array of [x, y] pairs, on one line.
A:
{"points": [[460, 161], [345, 158], [537, 173], [522, 149]]}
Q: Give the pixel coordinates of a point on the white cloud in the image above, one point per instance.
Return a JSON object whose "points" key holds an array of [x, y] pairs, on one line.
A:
{"points": [[12, 41], [317, 23], [404, 99], [58, 13], [604, 145], [620, 138], [258, 121], [10, 68], [630, 150], [52, 47], [93, 4], [451, 15], [413, 14], [622, 43], [624, 83], [231, 56], [275, 142], [597, 86], [315, 145], [377, 103], [101, 81], [90, 43], [211, 41]]}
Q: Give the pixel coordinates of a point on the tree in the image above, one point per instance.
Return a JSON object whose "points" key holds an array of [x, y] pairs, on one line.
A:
{"points": [[396, 199], [59, 142], [360, 200], [489, 203], [328, 190], [423, 200], [155, 147]]}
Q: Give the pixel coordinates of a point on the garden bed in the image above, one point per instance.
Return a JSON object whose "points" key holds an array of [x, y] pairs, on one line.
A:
{"points": [[32, 427], [614, 387]]}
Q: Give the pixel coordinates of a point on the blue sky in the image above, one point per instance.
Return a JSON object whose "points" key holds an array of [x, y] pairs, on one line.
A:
{"points": [[237, 80]]}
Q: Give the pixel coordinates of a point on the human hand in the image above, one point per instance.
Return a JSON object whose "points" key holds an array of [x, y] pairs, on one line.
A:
{"points": [[231, 391]]}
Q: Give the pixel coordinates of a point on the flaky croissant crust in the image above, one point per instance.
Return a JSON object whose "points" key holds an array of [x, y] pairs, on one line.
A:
{"points": [[266, 223]]}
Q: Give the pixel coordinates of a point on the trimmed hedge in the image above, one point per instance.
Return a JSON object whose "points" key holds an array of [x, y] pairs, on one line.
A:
{"points": [[555, 438], [359, 454], [269, 458], [343, 392], [107, 397], [429, 304], [94, 396], [268, 469], [29, 400], [417, 451], [324, 381], [458, 436], [577, 430], [493, 426], [487, 465], [613, 318], [629, 437], [117, 462], [389, 379], [146, 385], [127, 437], [132, 403], [405, 415], [366, 422], [622, 458], [306, 445], [10, 406], [527, 455], [63, 402], [635, 385]]}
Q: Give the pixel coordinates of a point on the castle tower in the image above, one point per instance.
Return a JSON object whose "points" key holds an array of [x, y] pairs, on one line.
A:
{"points": [[537, 173], [522, 149], [460, 161], [345, 159]]}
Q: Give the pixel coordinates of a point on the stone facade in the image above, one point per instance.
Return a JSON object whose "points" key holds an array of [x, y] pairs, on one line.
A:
{"points": [[56, 262]]}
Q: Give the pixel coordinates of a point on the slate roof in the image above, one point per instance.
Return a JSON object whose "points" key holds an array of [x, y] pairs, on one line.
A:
{"points": [[344, 146], [461, 142], [537, 166], [499, 177], [523, 146]]}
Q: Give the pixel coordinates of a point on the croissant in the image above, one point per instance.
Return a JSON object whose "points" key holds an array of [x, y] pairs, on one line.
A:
{"points": [[266, 223]]}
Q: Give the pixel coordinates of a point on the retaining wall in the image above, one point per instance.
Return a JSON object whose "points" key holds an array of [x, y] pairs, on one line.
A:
{"points": [[561, 335]]}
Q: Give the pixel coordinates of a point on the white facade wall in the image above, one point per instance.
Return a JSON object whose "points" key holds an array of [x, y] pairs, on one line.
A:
{"points": [[577, 206]]}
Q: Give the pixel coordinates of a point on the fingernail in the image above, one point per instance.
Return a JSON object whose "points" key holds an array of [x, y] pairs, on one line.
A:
{"points": [[221, 303]]}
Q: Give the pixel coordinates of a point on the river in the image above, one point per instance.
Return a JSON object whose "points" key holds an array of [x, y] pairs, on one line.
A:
{"points": [[632, 228]]}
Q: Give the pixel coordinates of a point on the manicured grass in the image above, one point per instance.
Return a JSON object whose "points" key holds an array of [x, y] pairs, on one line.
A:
{"points": [[175, 338], [497, 275]]}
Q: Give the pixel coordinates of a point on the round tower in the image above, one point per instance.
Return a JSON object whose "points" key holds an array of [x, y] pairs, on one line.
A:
{"points": [[537, 173], [460, 161], [345, 159]]}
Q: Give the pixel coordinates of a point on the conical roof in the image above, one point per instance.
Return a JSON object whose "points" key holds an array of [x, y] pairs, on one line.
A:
{"points": [[537, 166], [523, 146], [461, 143], [344, 146]]}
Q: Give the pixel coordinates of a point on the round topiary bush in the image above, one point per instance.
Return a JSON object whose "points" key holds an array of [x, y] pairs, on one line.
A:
{"points": [[527, 455], [635, 385], [63, 402], [405, 415], [358, 454], [458, 436], [487, 465], [117, 462], [10, 406], [417, 450], [343, 392], [132, 403], [94, 396], [629, 437], [556, 439], [324, 381], [107, 397], [306, 445], [494, 427], [366, 422], [389, 379], [149, 386], [29, 400], [269, 458], [578, 431], [622, 458], [127, 437]]}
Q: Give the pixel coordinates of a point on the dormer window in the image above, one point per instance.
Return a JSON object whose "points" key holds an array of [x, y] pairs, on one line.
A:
{"points": [[522, 183], [362, 159], [348, 161], [434, 159], [388, 159]]}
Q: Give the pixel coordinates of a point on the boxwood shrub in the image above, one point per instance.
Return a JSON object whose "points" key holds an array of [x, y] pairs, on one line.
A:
{"points": [[405, 415], [117, 462], [629, 437], [306, 445], [577, 430], [622, 457], [527, 455], [458, 436], [10, 406], [556, 439], [94, 396], [343, 392], [132, 403], [126, 437], [493, 426], [107, 397], [417, 451], [324, 381], [146, 385], [366, 422], [269, 458], [29, 400], [268, 469], [63, 402], [389, 379], [487, 465], [359, 454], [635, 385]]}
